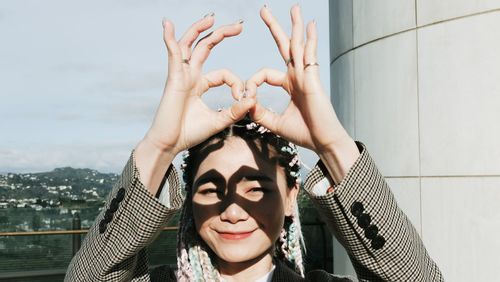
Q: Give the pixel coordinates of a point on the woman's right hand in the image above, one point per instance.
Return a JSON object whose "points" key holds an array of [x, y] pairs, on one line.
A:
{"points": [[182, 119]]}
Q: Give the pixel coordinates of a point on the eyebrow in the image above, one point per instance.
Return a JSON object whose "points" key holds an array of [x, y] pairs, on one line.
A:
{"points": [[257, 177], [211, 176], [215, 177], [208, 179]]}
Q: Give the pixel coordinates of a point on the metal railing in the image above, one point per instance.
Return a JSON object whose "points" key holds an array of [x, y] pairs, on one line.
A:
{"points": [[166, 247], [33, 269]]}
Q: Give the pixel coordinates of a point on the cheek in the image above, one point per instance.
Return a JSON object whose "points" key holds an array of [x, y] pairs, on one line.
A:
{"points": [[270, 215], [203, 214]]}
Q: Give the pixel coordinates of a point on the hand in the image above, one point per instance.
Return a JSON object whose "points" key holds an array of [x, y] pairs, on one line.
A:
{"points": [[182, 119], [309, 120]]}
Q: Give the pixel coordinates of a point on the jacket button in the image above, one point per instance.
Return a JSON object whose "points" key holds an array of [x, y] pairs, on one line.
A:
{"points": [[121, 194], [102, 226], [371, 231], [378, 242], [108, 216], [357, 209], [364, 220], [113, 207]]}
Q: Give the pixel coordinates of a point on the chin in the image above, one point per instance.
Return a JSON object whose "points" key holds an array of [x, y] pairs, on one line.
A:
{"points": [[237, 255]]}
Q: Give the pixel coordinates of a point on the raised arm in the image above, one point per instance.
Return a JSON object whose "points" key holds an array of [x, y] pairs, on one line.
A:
{"points": [[358, 206], [115, 247]]}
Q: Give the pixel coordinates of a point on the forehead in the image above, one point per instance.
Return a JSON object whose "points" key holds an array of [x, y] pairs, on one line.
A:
{"points": [[236, 153]]}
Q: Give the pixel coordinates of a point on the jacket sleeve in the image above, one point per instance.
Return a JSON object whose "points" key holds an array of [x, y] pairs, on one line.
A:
{"points": [[365, 218], [115, 246]]}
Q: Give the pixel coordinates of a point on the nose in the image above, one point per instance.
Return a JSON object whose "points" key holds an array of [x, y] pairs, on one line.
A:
{"points": [[234, 213]]}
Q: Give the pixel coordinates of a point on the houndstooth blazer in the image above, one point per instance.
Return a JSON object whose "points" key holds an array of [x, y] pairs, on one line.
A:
{"points": [[361, 212]]}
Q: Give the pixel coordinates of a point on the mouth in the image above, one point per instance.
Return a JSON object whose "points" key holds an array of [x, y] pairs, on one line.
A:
{"points": [[235, 235]]}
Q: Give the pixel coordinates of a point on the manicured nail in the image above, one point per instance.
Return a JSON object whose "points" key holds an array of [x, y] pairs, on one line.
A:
{"points": [[209, 15], [314, 22], [163, 21], [241, 21]]}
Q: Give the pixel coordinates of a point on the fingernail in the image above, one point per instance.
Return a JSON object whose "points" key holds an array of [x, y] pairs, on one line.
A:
{"points": [[267, 7], [241, 21], [314, 22], [209, 15], [163, 21]]}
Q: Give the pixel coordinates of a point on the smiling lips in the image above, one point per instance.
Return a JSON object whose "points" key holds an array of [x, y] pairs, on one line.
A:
{"points": [[235, 235]]}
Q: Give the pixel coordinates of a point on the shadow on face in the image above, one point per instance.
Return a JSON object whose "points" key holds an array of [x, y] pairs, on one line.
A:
{"points": [[240, 198]]}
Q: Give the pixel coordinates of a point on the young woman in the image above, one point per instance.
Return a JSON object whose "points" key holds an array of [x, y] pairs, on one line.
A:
{"points": [[239, 218]]}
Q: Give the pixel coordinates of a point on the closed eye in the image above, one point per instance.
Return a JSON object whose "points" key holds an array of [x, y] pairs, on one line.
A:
{"points": [[258, 190], [209, 191]]}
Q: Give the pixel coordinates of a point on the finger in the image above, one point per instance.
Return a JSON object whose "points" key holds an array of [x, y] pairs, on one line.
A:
{"points": [[193, 32], [237, 111], [265, 117], [310, 52], [297, 40], [270, 76], [281, 38], [221, 77], [174, 52], [202, 49]]}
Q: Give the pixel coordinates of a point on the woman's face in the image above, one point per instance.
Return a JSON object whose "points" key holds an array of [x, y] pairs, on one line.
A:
{"points": [[240, 199]]}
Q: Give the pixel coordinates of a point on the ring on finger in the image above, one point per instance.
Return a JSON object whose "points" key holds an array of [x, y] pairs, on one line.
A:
{"points": [[310, 65], [185, 61]]}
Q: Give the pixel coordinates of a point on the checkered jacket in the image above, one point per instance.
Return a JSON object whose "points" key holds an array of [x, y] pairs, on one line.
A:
{"points": [[361, 212]]}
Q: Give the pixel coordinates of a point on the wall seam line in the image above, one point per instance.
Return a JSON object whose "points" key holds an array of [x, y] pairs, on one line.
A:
{"points": [[418, 126], [410, 29]]}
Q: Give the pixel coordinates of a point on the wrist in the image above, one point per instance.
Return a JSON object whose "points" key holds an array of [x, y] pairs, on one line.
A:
{"points": [[339, 157], [152, 163]]}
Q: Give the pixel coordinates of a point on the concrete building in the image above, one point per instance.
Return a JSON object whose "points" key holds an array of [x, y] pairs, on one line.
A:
{"points": [[418, 81]]}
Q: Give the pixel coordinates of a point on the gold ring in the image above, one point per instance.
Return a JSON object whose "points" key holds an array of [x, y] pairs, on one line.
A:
{"points": [[311, 64]]}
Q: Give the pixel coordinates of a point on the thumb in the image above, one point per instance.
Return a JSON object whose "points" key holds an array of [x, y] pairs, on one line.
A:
{"points": [[237, 111], [264, 117]]}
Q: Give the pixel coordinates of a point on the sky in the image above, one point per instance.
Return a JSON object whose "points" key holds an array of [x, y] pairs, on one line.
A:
{"points": [[80, 81]]}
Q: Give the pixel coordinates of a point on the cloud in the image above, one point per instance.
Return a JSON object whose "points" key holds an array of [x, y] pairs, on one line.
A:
{"points": [[105, 158]]}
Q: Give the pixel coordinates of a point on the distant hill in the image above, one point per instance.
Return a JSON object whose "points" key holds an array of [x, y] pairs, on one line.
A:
{"points": [[64, 182]]}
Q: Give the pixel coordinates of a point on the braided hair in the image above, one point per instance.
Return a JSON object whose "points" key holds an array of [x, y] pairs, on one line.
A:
{"points": [[194, 258]]}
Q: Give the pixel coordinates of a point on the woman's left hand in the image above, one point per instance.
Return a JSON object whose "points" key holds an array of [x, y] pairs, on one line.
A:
{"points": [[309, 120]]}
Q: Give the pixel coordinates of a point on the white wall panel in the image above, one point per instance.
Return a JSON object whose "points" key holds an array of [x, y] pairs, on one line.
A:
{"points": [[431, 11], [340, 27], [459, 86], [342, 90], [460, 226], [385, 78], [376, 19]]}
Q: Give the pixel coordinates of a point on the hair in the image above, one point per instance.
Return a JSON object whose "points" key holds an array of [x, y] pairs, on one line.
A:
{"points": [[194, 258]]}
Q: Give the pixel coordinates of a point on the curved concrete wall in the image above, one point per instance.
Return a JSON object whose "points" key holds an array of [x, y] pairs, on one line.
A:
{"points": [[418, 81]]}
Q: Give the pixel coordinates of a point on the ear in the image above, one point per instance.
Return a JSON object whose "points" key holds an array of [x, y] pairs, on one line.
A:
{"points": [[291, 199]]}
